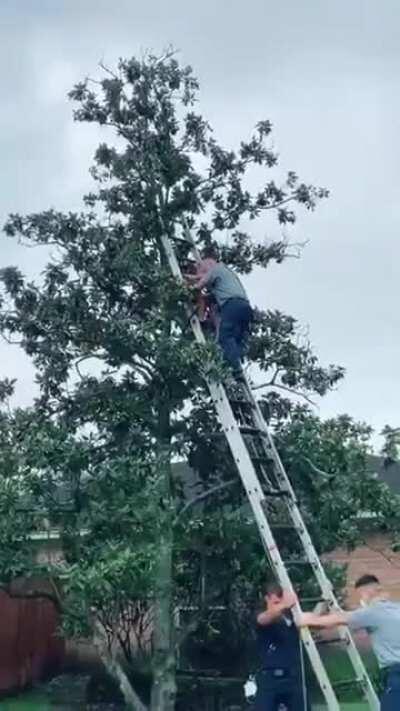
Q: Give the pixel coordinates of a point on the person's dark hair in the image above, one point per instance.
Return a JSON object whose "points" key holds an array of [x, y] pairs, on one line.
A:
{"points": [[274, 588], [210, 252], [366, 580]]}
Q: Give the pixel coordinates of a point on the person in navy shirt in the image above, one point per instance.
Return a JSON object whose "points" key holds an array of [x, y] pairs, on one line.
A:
{"points": [[280, 680]]}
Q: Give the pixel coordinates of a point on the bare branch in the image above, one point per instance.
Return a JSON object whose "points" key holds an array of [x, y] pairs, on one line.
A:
{"points": [[112, 665], [10, 341], [274, 377], [88, 356], [144, 371], [205, 495], [108, 71], [316, 469], [35, 245], [168, 54], [297, 246], [275, 205], [287, 389]]}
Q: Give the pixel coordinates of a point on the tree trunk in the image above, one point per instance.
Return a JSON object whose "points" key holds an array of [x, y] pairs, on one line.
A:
{"points": [[116, 671], [163, 693]]}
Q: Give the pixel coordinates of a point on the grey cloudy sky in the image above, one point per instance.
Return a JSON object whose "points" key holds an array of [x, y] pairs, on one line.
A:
{"points": [[326, 74]]}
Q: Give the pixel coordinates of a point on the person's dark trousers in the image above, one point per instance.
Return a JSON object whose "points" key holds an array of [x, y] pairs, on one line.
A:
{"points": [[288, 690], [236, 317], [390, 699]]}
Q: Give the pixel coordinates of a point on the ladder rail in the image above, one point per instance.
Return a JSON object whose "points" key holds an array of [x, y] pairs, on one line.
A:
{"points": [[257, 500], [309, 548]]}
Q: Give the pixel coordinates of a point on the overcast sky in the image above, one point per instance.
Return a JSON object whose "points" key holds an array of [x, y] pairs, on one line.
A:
{"points": [[326, 75]]}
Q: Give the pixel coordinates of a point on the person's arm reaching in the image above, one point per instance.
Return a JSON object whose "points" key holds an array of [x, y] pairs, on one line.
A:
{"points": [[202, 281], [204, 276], [333, 619], [274, 612], [192, 278]]}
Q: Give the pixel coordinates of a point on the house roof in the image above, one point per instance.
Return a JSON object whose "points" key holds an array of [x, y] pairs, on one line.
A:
{"points": [[386, 471]]}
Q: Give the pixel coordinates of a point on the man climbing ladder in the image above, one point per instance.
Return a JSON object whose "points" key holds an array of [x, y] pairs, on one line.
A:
{"points": [[233, 304], [274, 505]]}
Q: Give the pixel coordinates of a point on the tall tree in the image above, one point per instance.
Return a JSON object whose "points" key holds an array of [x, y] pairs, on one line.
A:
{"points": [[107, 332]]}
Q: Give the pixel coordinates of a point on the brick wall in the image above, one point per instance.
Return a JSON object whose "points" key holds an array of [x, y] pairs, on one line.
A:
{"points": [[377, 558]]}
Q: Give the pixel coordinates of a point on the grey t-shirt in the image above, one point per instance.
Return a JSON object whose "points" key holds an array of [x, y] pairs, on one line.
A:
{"points": [[382, 622], [224, 284]]}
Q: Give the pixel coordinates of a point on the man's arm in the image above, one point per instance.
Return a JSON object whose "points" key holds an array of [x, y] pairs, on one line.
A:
{"points": [[193, 278], [274, 612], [199, 280], [333, 619], [204, 276]]}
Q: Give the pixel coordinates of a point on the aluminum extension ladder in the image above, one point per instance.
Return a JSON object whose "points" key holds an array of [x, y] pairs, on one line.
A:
{"points": [[257, 460]]}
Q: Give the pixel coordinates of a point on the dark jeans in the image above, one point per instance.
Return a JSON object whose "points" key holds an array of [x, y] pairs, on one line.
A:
{"points": [[236, 316], [273, 691], [390, 700]]}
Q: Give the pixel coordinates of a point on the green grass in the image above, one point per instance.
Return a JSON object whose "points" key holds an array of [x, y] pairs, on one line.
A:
{"points": [[339, 669], [344, 707], [34, 702]]}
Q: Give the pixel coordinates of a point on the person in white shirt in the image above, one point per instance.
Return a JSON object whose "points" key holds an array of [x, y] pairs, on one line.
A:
{"points": [[380, 617]]}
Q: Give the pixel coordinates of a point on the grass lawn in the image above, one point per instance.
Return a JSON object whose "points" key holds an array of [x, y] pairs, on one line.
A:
{"points": [[33, 700], [344, 707]]}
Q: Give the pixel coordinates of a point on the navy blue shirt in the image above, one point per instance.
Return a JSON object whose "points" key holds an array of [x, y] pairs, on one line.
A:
{"points": [[279, 644]]}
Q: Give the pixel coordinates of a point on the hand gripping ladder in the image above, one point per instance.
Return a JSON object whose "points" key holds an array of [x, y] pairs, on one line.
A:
{"points": [[256, 458]]}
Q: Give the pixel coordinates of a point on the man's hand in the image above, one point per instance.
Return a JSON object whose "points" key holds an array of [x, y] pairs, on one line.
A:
{"points": [[286, 602], [195, 280], [191, 277], [274, 610], [289, 600], [201, 276]]}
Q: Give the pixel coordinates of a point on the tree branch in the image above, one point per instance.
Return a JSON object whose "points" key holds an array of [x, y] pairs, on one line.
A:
{"points": [[275, 205], [205, 495], [82, 360], [114, 667], [10, 341], [273, 379], [287, 389], [298, 246], [316, 469]]}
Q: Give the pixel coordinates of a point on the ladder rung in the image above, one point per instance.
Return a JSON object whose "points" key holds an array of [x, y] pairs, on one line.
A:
{"points": [[254, 431], [260, 460], [347, 683], [185, 240], [240, 403], [313, 600], [276, 494], [301, 562], [335, 640]]}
